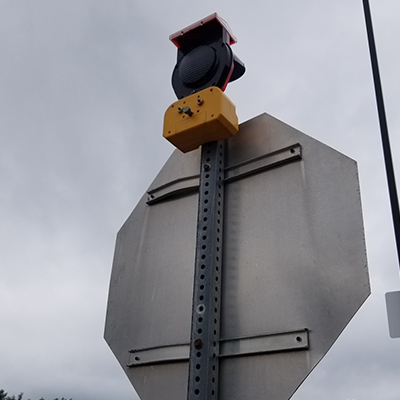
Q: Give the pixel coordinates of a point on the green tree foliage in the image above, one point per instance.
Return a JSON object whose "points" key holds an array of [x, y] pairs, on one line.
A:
{"points": [[4, 396]]}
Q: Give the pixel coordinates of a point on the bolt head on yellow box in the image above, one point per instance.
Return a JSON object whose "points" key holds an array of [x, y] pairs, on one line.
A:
{"points": [[203, 117]]}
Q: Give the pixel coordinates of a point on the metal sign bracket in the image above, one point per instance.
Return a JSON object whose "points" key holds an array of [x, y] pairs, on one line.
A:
{"points": [[256, 165], [246, 346]]}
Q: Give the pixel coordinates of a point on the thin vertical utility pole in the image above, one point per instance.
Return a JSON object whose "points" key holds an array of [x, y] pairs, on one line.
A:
{"points": [[394, 201]]}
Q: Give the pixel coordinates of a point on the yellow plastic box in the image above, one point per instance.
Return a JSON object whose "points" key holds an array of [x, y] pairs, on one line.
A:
{"points": [[206, 116]]}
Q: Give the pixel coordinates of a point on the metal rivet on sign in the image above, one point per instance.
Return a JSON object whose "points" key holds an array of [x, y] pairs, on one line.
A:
{"points": [[198, 344]]}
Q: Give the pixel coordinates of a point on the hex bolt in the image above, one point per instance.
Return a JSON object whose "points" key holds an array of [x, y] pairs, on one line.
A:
{"points": [[198, 344], [188, 111], [207, 167]]}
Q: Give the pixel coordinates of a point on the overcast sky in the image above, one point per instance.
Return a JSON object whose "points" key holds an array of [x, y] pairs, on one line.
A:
{"points": [[83, 89]]}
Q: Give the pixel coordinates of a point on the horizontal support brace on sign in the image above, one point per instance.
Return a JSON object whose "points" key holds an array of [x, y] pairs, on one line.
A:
{"points": [[246, 346], [176, 187], [158, 355], [287, 341], [190, 184], [260, 164]]}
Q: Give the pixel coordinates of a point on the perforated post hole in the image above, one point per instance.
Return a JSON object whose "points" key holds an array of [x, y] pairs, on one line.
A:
{"points": [[204, 348]]}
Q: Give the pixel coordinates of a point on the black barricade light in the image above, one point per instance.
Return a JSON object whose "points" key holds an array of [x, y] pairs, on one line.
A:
{"points": [[205, 57], [206, 64]]}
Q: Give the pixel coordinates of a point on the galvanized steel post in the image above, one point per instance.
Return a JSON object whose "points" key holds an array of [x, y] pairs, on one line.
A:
{"points": [[204, 342]]}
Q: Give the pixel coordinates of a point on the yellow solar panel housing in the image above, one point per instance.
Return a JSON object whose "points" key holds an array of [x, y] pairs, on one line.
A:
{"points": [[206, 116]]}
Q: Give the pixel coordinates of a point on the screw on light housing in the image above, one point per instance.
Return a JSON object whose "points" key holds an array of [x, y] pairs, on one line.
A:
{"points": [[188, 111]]}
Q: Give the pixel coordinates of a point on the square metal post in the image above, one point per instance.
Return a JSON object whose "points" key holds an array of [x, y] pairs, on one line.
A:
{"points": [[205, 330]]}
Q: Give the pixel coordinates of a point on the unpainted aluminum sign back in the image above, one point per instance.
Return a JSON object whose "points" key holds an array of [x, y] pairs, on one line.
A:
{"points": [[294, 268]]}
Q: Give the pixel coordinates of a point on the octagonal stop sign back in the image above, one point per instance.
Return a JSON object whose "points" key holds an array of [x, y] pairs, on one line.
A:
{"points": [[294, 266]]}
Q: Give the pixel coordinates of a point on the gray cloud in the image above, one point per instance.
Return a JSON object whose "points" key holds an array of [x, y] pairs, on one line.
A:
{"points": [[83, 90]]}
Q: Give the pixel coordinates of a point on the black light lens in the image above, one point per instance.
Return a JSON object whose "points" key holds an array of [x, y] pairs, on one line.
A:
{"points": [[196, 66], [205, 58]]}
